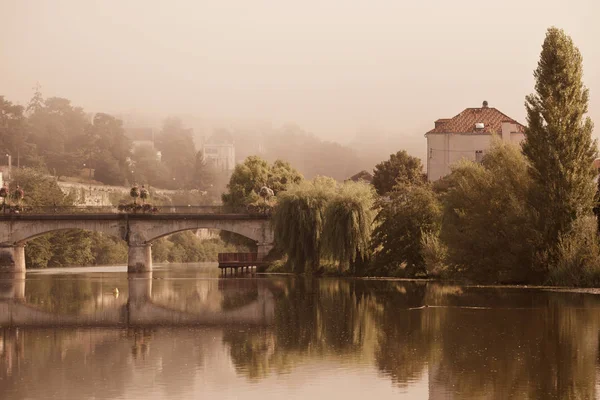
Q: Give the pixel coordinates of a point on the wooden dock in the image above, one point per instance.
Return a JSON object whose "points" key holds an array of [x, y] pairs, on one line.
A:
{"points": [[242, 262]]}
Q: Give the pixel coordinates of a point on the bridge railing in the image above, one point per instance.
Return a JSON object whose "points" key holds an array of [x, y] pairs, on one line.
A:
{"points": [[115, 210], [238, 257]]}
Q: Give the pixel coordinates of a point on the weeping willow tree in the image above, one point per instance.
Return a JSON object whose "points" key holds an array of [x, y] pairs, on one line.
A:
{"points": [[298, 222], [348, 221]]}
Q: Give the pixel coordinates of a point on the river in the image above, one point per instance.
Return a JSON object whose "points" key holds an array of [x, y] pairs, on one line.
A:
{"points": [[182, 332]]}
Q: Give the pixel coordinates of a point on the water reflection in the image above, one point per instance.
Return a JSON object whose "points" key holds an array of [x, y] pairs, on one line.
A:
{"points": [[419, 339]]}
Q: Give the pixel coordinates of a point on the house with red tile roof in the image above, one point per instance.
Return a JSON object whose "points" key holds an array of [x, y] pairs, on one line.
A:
{"points": [[468, 135]]}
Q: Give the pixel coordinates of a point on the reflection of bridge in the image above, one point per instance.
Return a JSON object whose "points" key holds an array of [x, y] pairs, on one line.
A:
{"points": [[138, 230], [139, 310]]}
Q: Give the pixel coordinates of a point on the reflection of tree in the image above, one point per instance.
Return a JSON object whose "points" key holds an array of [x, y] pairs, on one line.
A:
{"points": [[313, 318], [251, 351], [404, 342], [544, 350], [473, 342]]}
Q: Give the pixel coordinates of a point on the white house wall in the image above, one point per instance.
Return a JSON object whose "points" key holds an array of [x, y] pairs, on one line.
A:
{"points": [[446, 149]]}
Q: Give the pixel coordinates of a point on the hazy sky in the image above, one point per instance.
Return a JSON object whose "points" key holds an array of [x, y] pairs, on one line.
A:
{"points": [[332, 66]]}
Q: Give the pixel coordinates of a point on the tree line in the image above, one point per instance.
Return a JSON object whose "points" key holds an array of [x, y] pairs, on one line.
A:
{"points": [[58, 138], [523, 215]]}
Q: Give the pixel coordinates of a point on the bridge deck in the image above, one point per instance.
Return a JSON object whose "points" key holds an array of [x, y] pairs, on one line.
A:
{"points": [[123, 216]]}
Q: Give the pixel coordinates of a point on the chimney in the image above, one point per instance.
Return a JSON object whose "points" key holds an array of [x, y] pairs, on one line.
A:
{"points": [[485, 104]]}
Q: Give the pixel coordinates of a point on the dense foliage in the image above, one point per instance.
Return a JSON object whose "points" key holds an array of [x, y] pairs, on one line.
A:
{"points": [[321, 219], [65, 141], [559, 143], [187, 247], [401, 168], [253, 174], [348, 224], [487, 220], [410, 212], [298, 222]]}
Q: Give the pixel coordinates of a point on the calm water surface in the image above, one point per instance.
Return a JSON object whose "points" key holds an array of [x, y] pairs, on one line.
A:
{"points": [[182, 332]]}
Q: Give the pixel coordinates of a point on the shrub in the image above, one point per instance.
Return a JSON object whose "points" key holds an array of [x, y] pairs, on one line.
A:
{"points": [[577, 256]]}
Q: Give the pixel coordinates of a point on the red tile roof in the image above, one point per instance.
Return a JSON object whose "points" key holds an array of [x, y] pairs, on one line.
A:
{"points": [[465, 122]]}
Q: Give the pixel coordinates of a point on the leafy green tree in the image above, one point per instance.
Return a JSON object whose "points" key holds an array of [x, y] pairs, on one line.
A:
{"points": [[108, 170], [298, 222], [187, 247], [254, 173], [281, 175], [348, 222], [72, 247], [246, 181], [36, 103], [107, 134], [401, 168], [14, 136], [411, 212], [65, 164], [57, 126], [38, 252], [148, 169], [108, 250], [487, 222], [204, 174], [40, 189], [558, 141]]}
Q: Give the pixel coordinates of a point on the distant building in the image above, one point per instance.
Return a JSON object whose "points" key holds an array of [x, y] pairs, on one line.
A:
{"points": [[467, 136], [221, 156], [363, 175], [141, 137]]}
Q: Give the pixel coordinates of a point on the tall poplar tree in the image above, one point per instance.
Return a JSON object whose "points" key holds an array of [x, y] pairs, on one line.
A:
{"points": [[558, 140]]}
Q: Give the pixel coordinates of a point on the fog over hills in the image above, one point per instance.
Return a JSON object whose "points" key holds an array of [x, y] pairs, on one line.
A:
{"points": [[371, 75]]}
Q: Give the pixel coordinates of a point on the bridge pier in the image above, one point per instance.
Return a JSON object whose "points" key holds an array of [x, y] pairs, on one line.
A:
{"points": [[12, 258], [139, 258], [263, 249]]}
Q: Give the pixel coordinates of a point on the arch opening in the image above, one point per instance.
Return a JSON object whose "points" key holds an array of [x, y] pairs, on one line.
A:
{"points": [[73, 247], [196, 245]]}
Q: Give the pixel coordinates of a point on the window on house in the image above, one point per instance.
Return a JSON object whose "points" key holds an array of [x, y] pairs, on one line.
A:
{"points": [[430, 152], [478, 155]]}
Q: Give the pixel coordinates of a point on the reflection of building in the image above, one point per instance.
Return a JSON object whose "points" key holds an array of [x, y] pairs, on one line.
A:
{"points": [[467, 136], [221, 156]]}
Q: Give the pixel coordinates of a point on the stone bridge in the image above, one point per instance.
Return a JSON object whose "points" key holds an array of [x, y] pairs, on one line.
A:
{"points": [[140, 309], [138, 230]]}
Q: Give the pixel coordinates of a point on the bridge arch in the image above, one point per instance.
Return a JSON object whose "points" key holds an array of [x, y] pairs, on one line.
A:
{"points": [[138, 230], [19, 233], [147, 232]]}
